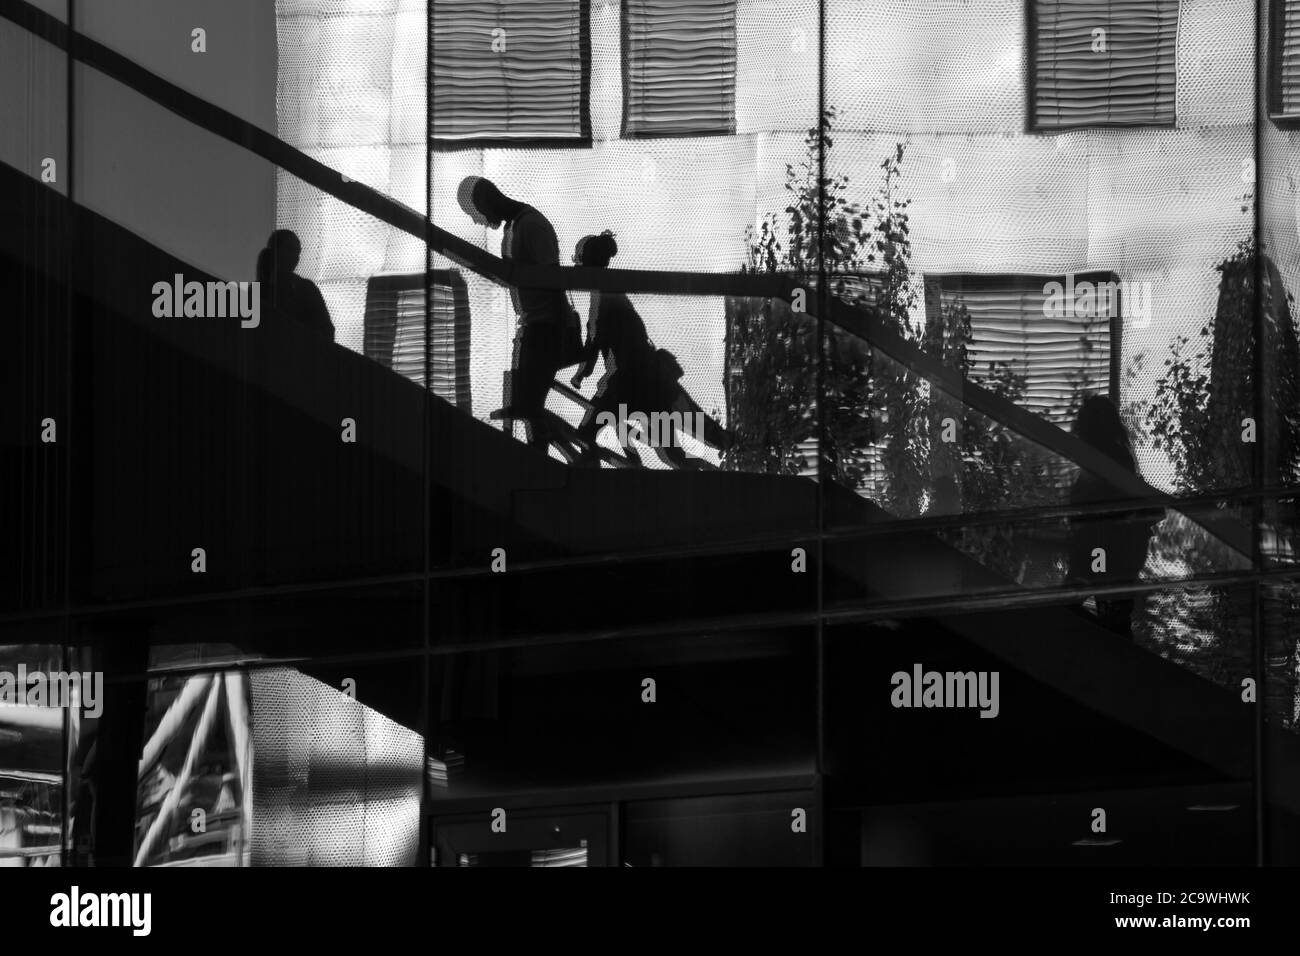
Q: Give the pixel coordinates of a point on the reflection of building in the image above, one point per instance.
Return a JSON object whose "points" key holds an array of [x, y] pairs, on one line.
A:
{"points": [[1030, 155], [634, 666]]}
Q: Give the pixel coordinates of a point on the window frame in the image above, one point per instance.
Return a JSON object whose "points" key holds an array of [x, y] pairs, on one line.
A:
{"points": [[582, 141], [1273, 95], [380, 345], [626, 74], [990, 281], [1034, 127]]}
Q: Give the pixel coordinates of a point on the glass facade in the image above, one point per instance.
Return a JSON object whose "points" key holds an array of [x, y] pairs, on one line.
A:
{"points": [[919, 487]]}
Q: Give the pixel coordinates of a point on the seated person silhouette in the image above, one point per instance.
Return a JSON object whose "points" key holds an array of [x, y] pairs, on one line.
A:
{"points": [[529, 239], [638, 377], [287, 293]]}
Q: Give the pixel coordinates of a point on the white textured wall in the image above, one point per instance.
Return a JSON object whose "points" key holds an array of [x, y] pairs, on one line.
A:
{"points": [[947, 77]]}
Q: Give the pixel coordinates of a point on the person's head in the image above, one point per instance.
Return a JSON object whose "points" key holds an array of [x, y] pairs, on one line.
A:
{"points": [[595, 250], [483, 202], [1098, 423], [280, 255]]}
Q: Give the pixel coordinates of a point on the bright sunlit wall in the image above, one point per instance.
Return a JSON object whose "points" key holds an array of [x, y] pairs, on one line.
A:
{"points": [[1156, 204]]}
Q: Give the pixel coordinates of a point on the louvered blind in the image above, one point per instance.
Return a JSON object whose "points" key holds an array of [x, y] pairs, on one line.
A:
{"points": [[1102, 63], [510, 71], [394, 331], [679, 67], [1286, 58], [1020, 320]]}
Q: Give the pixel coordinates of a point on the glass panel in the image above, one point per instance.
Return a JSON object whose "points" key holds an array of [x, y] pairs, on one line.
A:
{"points": [[975, 710], [36, 425], [267, 448], [531, 838], [696, 710], [40, 710], [307, 539], [769, 829], [194, 796], [638, 457], [262, 766]]}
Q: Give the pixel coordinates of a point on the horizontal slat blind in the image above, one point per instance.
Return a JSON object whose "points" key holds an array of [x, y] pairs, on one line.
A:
{"points": [[1288, 65], [1125, 76], [531, 86], [1009, 324], [394, 331], [679, 67]]}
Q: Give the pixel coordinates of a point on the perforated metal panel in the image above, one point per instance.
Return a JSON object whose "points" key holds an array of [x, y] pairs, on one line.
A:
{"points": [[334, 782]]}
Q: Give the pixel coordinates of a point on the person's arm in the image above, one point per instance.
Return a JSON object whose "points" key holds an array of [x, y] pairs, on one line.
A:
{"points": [[592, 347]]}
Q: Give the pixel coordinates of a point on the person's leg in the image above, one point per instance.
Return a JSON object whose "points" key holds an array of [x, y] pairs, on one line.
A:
{"points": [[548, 367], [607, 400], [676, 457], [532, 378], [712, 434], [1116, 614], [1122, 616]]}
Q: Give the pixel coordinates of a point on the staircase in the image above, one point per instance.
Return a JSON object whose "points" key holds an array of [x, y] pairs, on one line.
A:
{"points": [[163, 413]]}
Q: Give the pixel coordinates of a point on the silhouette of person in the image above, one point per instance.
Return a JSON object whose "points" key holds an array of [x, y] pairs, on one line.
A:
{"points": [[1123, 538], [638, 377], [288, 293], [529, 239]]}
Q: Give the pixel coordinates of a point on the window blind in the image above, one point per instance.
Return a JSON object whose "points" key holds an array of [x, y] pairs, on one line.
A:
{"points": [[1285, 75], [510, 71], [1056, 331], [394, 331], [1102, 63], [679, 67]]}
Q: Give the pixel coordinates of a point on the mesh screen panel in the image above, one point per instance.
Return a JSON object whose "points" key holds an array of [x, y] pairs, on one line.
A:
{"points": [[334, 782], [941, 66], [1153, 205], [1216, 59], [776, 65]]}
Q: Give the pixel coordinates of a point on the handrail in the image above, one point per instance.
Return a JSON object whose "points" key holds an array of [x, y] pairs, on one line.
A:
{"points": [[860, 322]]}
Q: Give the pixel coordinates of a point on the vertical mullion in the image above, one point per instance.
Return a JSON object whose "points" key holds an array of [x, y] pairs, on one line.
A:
{"points": [[822, 476], [425, 843], [69, 171], [1261, 462]]}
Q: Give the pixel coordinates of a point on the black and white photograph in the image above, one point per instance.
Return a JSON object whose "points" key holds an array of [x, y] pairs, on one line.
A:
{"points": [[836, 434]]}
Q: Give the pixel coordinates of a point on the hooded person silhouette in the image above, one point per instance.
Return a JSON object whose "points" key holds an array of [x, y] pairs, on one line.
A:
{"points": [[288, 293]]}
